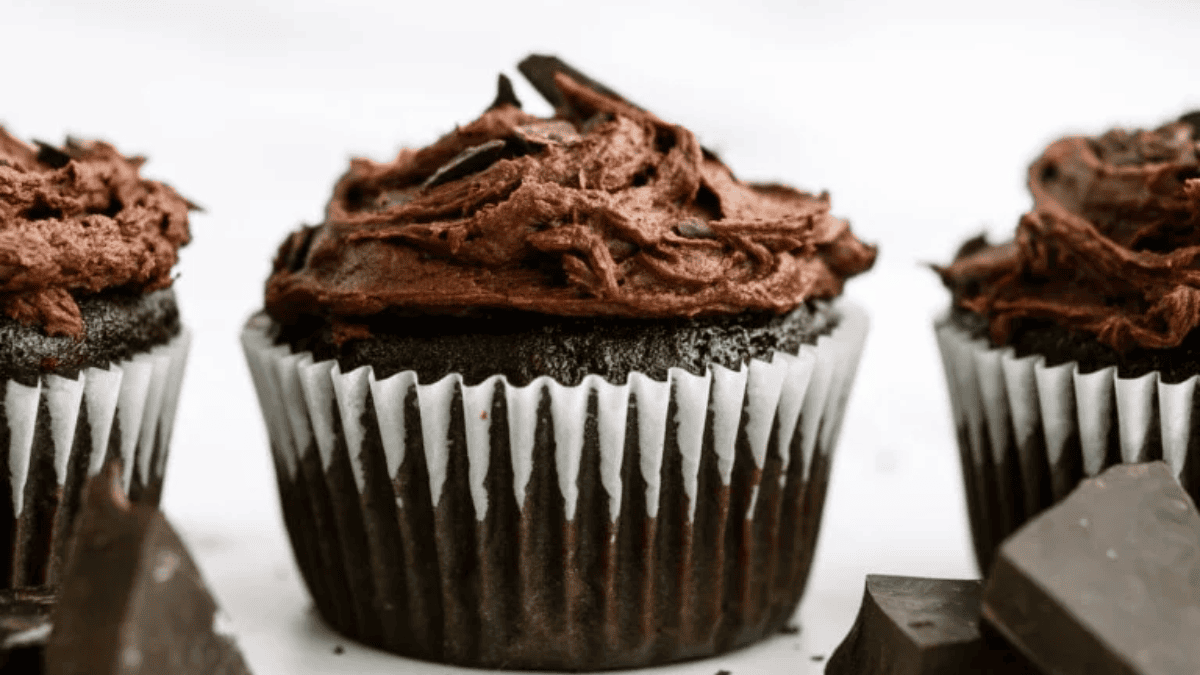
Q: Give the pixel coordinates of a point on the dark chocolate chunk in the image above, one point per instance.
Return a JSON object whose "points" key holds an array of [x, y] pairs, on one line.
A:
{"points": [[1192, 119], [132, 600], [539, 69], [1107, 581], [24, 627], [51, 156], [911, 625], [469, 161], [504, 93]]}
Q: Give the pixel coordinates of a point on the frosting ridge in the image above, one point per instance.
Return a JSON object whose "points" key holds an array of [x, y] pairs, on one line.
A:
{"points": [[602, 210], [78, 220], [1111, 247]]}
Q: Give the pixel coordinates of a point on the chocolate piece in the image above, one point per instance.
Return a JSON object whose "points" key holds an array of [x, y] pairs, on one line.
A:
{"points": [[469, 161], [133, 600], [917, 626], [1107, 581], [1192, 119], [51, 156], [77, 221], [24, 627], [505, 94], [540, 70]]}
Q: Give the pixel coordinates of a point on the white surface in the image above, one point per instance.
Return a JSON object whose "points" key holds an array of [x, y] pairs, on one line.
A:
{"points": [[919, 118]]}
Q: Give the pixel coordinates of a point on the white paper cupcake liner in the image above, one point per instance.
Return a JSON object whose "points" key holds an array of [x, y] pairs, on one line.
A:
{"points": [[58, 432], [550, 526], [1028, 433]]}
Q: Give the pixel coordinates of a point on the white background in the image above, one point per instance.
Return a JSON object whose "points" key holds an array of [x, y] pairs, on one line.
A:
{"points": [[920, 118]]}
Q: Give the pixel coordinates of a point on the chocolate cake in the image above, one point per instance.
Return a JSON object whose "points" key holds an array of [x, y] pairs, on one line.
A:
{"points": [[558, 393], [1074, 346], [91, 346]]}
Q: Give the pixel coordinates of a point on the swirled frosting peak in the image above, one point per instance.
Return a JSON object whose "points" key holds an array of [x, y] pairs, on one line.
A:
{"points": [[603, 209], [76, 221], [1111, 247]]}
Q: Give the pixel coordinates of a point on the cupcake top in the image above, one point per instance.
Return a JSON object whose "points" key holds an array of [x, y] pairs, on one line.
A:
{"points": [[77, 221], [602, 210], [1111, 247]]}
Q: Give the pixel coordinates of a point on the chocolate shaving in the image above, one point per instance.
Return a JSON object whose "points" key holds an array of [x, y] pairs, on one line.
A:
{"points": [[505, 94], [469, 161], [541, 69], [51, 156]]}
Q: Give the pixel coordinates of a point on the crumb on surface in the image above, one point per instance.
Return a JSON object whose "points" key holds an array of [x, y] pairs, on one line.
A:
{"points": [[818, 657], [339, 650]]}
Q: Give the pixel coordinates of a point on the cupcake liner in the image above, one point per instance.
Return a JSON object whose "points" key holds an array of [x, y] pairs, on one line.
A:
{"points": [[60, 431], [555, 527], [1028, 433]]}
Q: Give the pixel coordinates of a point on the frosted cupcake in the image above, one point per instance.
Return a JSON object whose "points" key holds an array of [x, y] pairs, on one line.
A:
{"points": [[558, 393], [91, 345], [1074, 346]]}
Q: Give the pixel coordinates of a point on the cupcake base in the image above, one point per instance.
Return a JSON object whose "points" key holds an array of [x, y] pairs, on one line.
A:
{"points": [[551, 527], [1028, 433]]}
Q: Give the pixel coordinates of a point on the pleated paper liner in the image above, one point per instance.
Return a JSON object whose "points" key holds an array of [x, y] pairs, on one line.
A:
{"points": [[554, 527], [1028, 433], [57, 433]]}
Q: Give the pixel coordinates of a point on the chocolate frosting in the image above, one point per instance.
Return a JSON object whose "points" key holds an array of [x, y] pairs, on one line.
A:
{"points": [[602, 210], [1111, 247], [79, 220]]}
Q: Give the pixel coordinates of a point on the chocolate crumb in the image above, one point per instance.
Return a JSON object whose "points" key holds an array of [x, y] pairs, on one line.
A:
{"points": [[724, 672], [817, 658], [339, 650]]}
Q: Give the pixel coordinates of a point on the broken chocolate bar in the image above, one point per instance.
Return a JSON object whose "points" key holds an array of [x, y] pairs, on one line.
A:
{"points": [[917, 626], [24, 627], [1107, 581], [132, 601]]}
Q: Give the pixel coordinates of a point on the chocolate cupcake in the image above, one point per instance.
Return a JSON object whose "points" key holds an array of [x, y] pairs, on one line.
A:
{"points": [[558, 393], [1074, 346], [91, 347]]}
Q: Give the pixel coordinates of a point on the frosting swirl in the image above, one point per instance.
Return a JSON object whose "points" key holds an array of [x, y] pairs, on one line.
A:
{"points": [[1111, 247], [603, 209], [76, 221]]}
